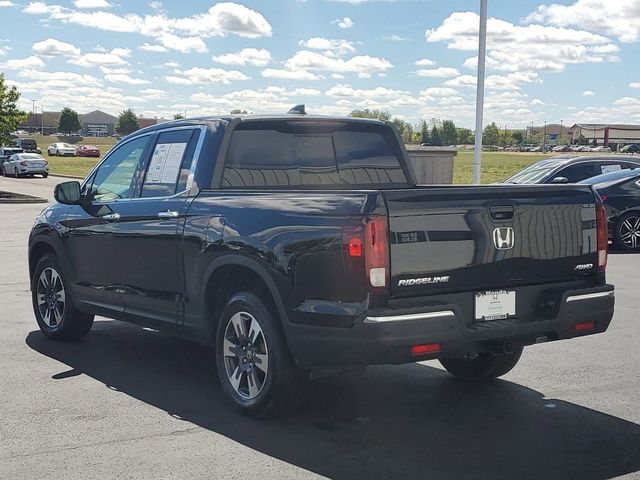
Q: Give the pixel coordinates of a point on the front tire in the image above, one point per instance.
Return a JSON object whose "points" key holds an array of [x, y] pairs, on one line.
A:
{"points": [[626, 235], [253, 363], [53, 306], [483, 368]]}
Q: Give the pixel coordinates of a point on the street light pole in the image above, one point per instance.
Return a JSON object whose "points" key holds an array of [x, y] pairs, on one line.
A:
{"points": [[482, 47], [544, 140]]}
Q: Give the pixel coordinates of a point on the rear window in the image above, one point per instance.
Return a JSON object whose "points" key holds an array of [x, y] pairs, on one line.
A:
{"points": [[312, 154], [27, 143]]}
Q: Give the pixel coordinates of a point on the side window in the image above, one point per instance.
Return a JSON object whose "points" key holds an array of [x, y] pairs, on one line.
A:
{"points": [[170, 163], [114, 177], [577, 172]]}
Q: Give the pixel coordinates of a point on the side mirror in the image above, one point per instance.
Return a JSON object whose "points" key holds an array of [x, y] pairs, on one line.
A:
{"points": [[560, 180], [68, 193]]}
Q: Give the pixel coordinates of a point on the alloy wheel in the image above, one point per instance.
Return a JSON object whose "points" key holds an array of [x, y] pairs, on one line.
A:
{"points": [[630, 231], [50, 297], [246, 357]]}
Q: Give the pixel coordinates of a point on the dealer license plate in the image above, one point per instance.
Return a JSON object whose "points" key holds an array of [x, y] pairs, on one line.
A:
{"points": [[495, 305]]}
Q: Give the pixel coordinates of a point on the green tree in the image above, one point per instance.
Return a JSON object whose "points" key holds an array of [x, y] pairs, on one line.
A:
{"points": [[10, 115], [582, 140], [449, 136], [464, 136], [491, 134], [178, 116], [69, 122], [435, 137], [424, 133], [237, 111], [127, 122], [518, 137], [366, 113]]}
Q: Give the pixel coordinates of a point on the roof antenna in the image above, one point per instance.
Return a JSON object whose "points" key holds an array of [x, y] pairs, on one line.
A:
{"points": [[297, 110]]}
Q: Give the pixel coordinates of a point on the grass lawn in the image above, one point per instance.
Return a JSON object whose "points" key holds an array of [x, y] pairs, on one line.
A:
{"points": [[496, 166], [79, 166]]}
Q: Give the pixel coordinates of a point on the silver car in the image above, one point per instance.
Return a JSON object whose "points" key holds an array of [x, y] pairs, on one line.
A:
{"points": [[22, 164]]}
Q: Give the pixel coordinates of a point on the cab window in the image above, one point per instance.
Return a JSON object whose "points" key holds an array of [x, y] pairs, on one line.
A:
{"points": [[114, 178], [170, 163]]}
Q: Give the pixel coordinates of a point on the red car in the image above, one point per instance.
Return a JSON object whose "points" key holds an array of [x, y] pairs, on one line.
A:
{"points": [[87, 151]]}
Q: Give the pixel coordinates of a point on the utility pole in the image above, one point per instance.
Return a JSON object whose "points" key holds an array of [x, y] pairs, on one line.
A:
{"points": [[482, 47], [561, 133], [544, 140], [42, 107]]}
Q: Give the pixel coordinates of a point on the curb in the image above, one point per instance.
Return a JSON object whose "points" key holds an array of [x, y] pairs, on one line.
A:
{"points": [[19, 198], [62, 175]]}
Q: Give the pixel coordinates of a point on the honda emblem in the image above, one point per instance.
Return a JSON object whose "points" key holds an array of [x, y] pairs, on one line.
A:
{"points": [[503, 238]]}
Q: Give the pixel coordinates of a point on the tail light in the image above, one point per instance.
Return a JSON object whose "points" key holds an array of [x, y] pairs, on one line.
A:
{"points": [[368, 247], [602, 234]]}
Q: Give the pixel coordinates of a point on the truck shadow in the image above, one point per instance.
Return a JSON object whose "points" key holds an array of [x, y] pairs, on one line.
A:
{"points": [[409, 421]]}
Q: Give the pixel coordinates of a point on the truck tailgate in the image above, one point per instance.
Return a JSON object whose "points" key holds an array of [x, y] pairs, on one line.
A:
{"points": [[483, 237]]}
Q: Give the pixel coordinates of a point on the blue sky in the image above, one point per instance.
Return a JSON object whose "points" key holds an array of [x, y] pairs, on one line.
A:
{"points": [[575, 61]]}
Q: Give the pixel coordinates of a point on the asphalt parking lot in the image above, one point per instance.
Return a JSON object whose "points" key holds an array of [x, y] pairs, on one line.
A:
{"points": [[130, 403]]}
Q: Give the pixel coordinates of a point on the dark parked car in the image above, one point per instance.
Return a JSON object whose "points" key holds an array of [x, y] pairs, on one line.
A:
{"points": [[633, 148], [567, 169], [87, 151], [620, 192], [5, 154], [28, 145], [293, 242]]}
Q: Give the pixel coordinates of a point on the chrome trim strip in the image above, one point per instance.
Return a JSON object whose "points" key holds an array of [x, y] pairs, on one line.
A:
{"points": [[590, 296], [411, 316]]}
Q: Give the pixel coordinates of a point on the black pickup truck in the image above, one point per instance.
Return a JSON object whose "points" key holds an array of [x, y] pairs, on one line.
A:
{"points": [[292, 242]]}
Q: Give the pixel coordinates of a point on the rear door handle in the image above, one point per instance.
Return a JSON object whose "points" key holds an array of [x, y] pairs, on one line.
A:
{"points": [[168, 214], [111, 216]]}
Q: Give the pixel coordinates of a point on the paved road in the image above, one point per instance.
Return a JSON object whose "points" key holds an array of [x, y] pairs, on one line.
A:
{"points": [[36, 186], [129, 403]]}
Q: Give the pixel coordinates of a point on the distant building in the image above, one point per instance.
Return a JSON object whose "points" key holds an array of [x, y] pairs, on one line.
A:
{"points": [[147, 122], [554, 132], [93, 124], [608, 134], [36, 124], [97, 124]]}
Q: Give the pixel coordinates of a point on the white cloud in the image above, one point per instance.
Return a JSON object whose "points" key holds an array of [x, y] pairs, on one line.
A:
{"points": [[516, 48], [345, 22], [379, 97], [288, 74], [182, 44], [202, 76], [620, 18], [425, 62], [537, 101], [125, 79], [440, 72], [634, 84], [6, 3], [588, 93], [92, 59], [184, 34], [91, 3], [335, 47], [363, 65], [432, 92], [270, 99], [53, 48], [396, 38], [155, 5], [20, 63], [154, 93], [152, 48], [511, 81], [246, 56], [225, 18]]}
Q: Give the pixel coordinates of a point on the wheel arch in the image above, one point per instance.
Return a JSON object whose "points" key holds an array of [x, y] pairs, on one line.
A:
{"points": [[231, 273], [38, 249]]}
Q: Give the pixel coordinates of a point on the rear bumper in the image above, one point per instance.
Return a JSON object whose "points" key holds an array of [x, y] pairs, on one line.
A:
{"points": [[386, 336], [33, 170]]}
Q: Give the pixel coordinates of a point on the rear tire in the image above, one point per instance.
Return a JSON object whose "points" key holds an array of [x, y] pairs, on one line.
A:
{"points": [[483, 368], [45, 175], [53, 305], [254, 365], [626, 235]]}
